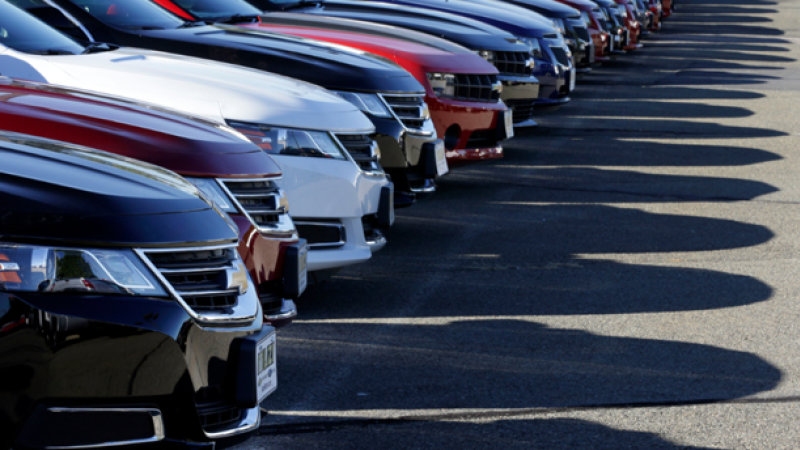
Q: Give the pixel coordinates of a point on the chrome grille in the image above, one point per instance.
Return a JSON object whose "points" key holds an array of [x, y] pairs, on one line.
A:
{"points": [[561, 55], [410, 109], [199, 276], [582, 33], [261, 200], [512, 63], [479, 88], [362, 149]]}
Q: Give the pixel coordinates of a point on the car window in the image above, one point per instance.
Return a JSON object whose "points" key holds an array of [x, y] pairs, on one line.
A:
{"points": [[131, 14], [23, 32]]}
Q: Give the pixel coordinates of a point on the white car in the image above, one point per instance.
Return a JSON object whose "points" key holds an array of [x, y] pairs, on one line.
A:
{"points": [[340, 209]]}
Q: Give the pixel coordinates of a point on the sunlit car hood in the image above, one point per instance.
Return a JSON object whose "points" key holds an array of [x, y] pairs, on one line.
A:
{"points": [[207, 89], [468, 32], [189, 146], [311, 61], [427, 58]]}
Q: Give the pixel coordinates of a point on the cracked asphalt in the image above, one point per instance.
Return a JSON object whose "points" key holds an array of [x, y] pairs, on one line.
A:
{"points": [[625, 277]]}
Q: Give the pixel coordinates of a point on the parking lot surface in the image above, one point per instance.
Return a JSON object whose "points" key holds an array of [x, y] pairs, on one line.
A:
{"points": [[625, 277]]}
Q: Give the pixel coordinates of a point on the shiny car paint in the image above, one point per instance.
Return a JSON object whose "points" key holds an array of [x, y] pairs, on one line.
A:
{"points": [[86, 368], [324, 189], [520, 87], [144, 24], [554, 67], [190, 147], [472, 128]]}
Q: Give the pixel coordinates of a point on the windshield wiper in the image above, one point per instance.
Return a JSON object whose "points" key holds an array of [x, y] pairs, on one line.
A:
{"points": [[96, 47], [52, 51], [238, 18]]}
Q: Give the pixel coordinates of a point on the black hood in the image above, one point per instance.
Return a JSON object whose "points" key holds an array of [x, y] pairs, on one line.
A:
{"points": [[470, 33], [58, 193], [304, 59]]}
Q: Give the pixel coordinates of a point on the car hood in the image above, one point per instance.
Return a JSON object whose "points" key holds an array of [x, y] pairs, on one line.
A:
{"points": [[328, 66], [470, 33], [55, 192], [405, 53], [188, 146], [513, 19], [203, 88], [548, 8]]}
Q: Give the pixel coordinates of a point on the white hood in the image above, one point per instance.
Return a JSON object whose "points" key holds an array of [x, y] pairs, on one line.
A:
{"points": [[208, 89]]}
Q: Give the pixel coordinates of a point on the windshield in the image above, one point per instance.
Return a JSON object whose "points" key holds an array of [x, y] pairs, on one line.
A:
{"points": [[130, 14], [218, 9], [25, 33]]}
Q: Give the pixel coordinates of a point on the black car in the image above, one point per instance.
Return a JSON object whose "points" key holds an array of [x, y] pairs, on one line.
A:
{"points": [[386, 93], [107, 334]]}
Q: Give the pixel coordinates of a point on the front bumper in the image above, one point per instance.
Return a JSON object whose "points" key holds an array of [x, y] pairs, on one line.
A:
{"points": [[471, 130], [520, 94], [83, 371]]}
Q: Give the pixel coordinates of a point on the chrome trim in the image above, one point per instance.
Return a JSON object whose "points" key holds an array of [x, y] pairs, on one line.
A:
{"points": [[284, 228], [247, 307], [155, 414], [288, 311], [250, 422]]}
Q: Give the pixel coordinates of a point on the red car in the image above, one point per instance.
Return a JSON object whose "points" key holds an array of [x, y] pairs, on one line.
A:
{"points": [[233, 173], [592, 16], [632, 25], [462, 90]]}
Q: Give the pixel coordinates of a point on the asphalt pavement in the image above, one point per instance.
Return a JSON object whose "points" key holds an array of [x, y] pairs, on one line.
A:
{"points": [[625, 277]]}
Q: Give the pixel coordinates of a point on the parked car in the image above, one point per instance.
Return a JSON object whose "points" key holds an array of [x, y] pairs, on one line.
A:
{"points": [[593, 16], [341, 209], [509, 55], [387, 94], [570, 24], [612, 18], [462, 89], [631, 24], [106, 336], [234, 173], [554, 67]]}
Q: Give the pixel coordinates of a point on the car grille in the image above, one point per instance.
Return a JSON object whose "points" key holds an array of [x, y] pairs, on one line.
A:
{"points": [[521, 109], [561, 55], [362, 149], [321, 233], [477, 88], [582, 33], [512, 63], [260, 199], [410, 109], [199, 276]]}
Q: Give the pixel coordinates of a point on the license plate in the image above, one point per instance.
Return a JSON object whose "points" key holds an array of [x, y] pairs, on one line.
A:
{"points": [[572, 80], [508, 119], [302, 269], [441, 159], [266, 367]]}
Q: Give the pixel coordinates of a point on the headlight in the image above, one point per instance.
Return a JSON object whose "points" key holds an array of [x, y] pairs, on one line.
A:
{"points": [[443, 84], [559, 25], [289, 141], [34, 268], [368, 103], [536, 47], [488, 55], [214, 193]]}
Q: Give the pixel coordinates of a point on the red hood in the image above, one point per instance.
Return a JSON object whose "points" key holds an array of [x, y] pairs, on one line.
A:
{"points": [[402, 52], [185, 145]]}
